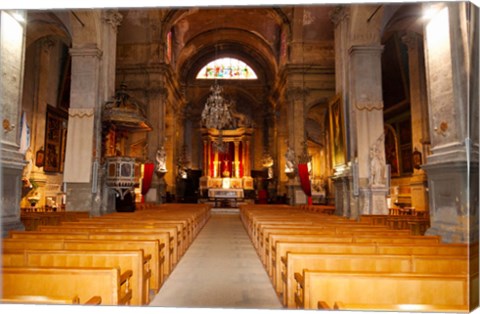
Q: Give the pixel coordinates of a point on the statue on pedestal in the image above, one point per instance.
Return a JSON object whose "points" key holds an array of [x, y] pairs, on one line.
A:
{"points": [[161, 160], [377, 164], [289, 161]]}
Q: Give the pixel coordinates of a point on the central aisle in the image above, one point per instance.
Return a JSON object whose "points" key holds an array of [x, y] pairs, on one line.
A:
{"points": [[220, 270]]}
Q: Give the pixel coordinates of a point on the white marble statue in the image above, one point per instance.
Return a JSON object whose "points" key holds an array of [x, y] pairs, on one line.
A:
{"points": [[28, 168], [377, 163], [289, 161], [161, 160]]}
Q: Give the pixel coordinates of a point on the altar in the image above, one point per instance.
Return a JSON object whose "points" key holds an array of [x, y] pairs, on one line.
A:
{"points": [[223, 196], [226, 161]]}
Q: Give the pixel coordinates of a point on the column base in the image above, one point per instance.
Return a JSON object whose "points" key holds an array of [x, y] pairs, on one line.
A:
{"points": [[453, 188]]}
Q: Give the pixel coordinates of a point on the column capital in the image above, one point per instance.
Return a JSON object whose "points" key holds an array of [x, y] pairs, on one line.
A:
{"points": [[113, 18], [338, 15]]}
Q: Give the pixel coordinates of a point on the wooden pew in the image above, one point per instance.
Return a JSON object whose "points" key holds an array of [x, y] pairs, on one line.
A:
{"points": [[123, 259], [165, 256], [354, 238], [379, 288], [165, 237], [280, 260], [57, 282], [297, 262], [151, 250], [411, 308], [177, 230], [32, 220], [35, 299]]}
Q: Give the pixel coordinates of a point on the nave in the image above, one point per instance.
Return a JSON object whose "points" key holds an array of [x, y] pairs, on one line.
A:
{"points": [[190, 256], [219, 270]]}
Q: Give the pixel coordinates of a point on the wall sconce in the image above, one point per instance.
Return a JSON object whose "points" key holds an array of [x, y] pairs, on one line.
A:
{"points": [[417, 159]]}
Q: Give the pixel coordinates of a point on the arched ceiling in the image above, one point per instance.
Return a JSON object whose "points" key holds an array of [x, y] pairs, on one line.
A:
{"points": [[47, 23], [250, 34], [402, 18]]}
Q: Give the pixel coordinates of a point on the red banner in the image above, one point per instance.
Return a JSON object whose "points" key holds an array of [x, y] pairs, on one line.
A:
{"points": [[147, 178], [305, 181]]}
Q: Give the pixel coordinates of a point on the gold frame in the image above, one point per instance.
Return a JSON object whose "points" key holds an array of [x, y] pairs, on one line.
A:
{"points": [[55, 140], [337, 131]]}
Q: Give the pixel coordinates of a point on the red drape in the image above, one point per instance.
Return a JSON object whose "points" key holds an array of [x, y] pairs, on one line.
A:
{"points": [[147, 178], [305, 181]]}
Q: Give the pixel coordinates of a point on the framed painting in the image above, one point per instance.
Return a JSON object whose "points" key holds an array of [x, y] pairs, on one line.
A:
{"points": [[55, 140], [337, 131], [391, 150]]}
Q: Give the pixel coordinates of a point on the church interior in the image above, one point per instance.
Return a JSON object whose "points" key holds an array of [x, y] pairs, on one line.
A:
{"points": [[290, 125]]}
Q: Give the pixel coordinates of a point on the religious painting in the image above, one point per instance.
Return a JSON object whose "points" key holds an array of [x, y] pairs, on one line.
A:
{"points": [[391, 150], [337, 131], [55, 140], [407, 160], [65, 82]]}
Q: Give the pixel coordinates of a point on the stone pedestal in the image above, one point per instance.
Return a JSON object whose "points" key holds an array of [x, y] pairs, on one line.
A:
{"points": [[378, 200], [451, 202], [161, 187], [11, 194], [342, 206]]}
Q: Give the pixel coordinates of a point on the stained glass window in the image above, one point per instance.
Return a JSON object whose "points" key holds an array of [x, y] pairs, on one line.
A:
{"points": [[227, 68]]}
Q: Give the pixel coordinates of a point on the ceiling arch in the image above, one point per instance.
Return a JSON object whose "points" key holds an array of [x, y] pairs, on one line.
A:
{"points": [[229, 42], [42, 24], [200, 35]]}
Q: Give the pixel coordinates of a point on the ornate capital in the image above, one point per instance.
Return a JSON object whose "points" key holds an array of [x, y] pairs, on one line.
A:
{"points": [[339, 14], [113, 18]]}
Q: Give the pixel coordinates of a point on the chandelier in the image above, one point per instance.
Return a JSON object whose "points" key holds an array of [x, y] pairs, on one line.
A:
{"points": [[216, 114]]}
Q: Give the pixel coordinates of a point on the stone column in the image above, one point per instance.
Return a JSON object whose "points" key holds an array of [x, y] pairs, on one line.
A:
{"points": [[419, 117], [296, 136], [79, 154], [156, 98], [366, 104], [450, 168], [111, 20], [12, 51]]}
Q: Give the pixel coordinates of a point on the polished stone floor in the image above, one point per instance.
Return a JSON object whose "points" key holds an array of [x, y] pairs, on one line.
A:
{"points": [[220, 270]]}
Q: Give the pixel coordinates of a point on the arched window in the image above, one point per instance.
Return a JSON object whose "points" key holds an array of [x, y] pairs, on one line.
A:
{"points": [[227, 68]]}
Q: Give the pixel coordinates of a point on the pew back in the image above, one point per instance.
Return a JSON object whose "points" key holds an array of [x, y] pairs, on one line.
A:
{"points": [[61, 283], [371, 287]]}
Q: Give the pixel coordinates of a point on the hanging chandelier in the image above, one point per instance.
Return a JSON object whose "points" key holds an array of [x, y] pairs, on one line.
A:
{"points": [[217, 115]]}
